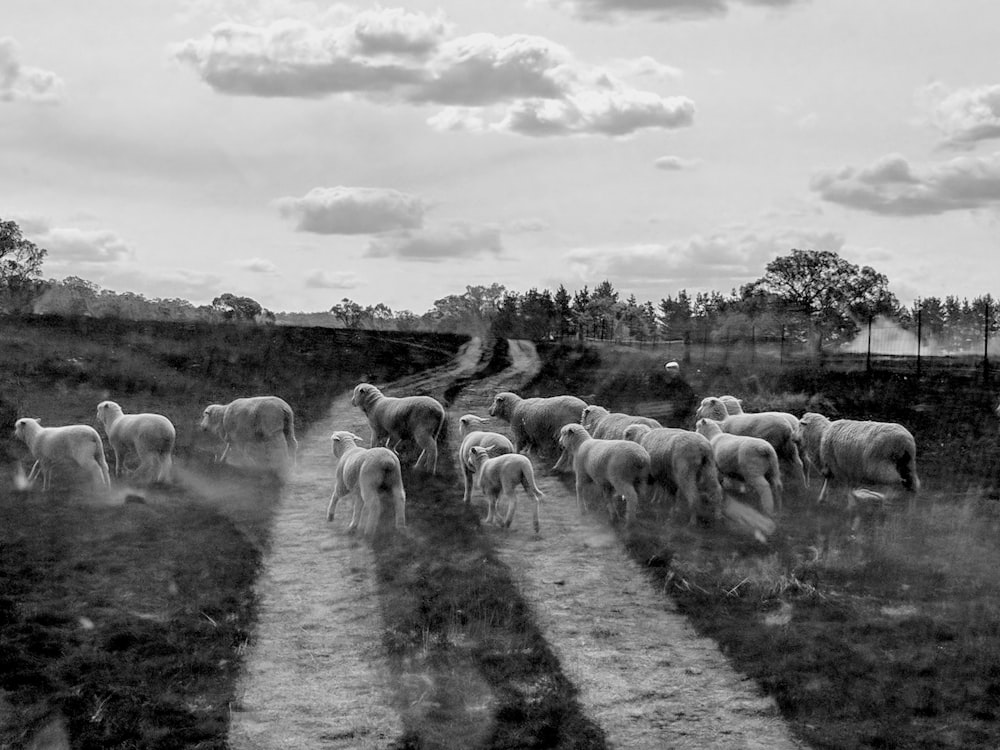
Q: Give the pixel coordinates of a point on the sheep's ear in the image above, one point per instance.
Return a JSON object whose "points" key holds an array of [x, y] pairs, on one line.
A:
{"points": [[357, 437]]}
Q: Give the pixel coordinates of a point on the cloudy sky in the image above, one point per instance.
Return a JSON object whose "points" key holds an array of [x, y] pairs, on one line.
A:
{"points": [[302, 152]]}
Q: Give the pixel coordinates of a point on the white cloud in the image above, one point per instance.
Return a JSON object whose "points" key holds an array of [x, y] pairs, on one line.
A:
{"points": [[660, 10], [257, 265], [675, 163], [515, 83], [437, 243], [646, 66], [320, 279], [891, 186], [23, 83], [353, 210], [965, 116], [720, 261], [72, 245]]}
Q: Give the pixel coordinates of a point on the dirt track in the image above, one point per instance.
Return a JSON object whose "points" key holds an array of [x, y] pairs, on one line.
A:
{"points": [[315, 677]]}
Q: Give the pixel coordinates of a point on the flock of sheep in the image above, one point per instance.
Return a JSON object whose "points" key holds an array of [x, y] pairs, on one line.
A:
{"points": [[612, 455]]}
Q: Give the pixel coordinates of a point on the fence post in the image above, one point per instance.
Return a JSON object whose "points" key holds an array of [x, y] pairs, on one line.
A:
{"points": [[986, 340], [868, 357], [920, 321]]}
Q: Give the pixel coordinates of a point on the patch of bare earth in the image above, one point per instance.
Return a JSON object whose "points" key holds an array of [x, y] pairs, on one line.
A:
{"points": [[644, 675]]}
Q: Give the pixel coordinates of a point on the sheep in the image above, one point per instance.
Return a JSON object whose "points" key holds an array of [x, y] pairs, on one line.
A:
{"points": [[497, 443], [855, 452], [372, 475], [149, 436], [682, 462], [78, 444], [614, 467], [500, 475], [751, 460], [606, 425], [778, 428], [248, 422], [535, 422], [392, 420]]}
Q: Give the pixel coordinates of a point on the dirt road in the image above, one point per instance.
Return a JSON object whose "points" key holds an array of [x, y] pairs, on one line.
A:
{"points": [[315, 676]]}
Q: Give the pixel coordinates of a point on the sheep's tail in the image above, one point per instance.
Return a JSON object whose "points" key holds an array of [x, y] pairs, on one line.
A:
{"points": [[166, 467], [530, 486], [907, 467]]}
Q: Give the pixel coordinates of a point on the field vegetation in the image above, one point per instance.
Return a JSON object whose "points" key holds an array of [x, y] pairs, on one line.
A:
{"points": [[884, 636], [123, 620]]}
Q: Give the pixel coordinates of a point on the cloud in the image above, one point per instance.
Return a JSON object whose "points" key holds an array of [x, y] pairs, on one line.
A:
{"points": [[719, 261], [73, 245], [675, 163], [645, 66], [22, 83], [526, 225], [487, 83], [891, 186], [257, 265], [454, 240], [320, 279], [657, 10], [965, 116], [353, 210]]}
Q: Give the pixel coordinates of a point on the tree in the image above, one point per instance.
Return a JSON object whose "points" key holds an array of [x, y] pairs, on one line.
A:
{"points": [[348, 311], [233, 307], [832, 293], [20, 267]]}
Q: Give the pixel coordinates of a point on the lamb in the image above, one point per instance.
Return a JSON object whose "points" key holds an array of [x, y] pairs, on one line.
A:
{"points": [[613, 467], [855, 452], [778, 428], [499, 476], [496, 443], [681, 462], [372, 475], [78, 444], [249, 422], [607, 425], [751, 460], [149, 436], [535, 422], [392, 420]]}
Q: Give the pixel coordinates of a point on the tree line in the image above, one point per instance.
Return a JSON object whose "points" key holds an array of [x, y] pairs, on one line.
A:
{"points": [[806, 297]]}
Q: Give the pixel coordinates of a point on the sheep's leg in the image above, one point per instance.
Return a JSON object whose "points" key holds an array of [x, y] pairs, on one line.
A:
{"points": [[687, 489], [631, 495], [359, 506], [468, 476], [581, 489], [33, 474], [492, 499], [822, 491], [511, 496], [763, 490], [400, 502], [338, 493]]}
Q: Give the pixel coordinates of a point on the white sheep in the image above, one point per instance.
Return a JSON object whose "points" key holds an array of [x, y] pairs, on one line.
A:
{"points": [[780, 429], [747, 459], [535, 422], [683, 463], [78, 444], [499, 476], [149, 436], [608, 425], [611, 467], [393, 420], [371, 475], [250, 422], [854, 452], [497, 444]]}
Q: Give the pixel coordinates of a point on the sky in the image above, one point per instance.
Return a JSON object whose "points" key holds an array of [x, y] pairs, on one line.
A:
{"points": [[300, 153]]}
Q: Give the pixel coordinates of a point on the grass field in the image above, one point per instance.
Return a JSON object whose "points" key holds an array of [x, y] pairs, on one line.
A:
{"points": [[123, 625]]}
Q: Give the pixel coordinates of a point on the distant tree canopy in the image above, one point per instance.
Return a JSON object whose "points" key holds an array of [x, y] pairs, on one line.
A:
{"points": [[20, 267], [234, 307]]}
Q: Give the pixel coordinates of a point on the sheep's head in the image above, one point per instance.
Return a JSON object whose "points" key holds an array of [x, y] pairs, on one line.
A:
{"points": [[104, 409], [501, 405], [21, 428], [467, 422], [711, 408], [211, 418], [364, 394], [811, 426], [591, 414], [636, 432], [342, 440], [478, 457], [570, 437], [707, 427], [672, 369], [732, 404]]}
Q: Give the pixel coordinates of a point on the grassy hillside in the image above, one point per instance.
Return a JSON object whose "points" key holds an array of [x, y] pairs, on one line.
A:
{"points": [[122, 623]]}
